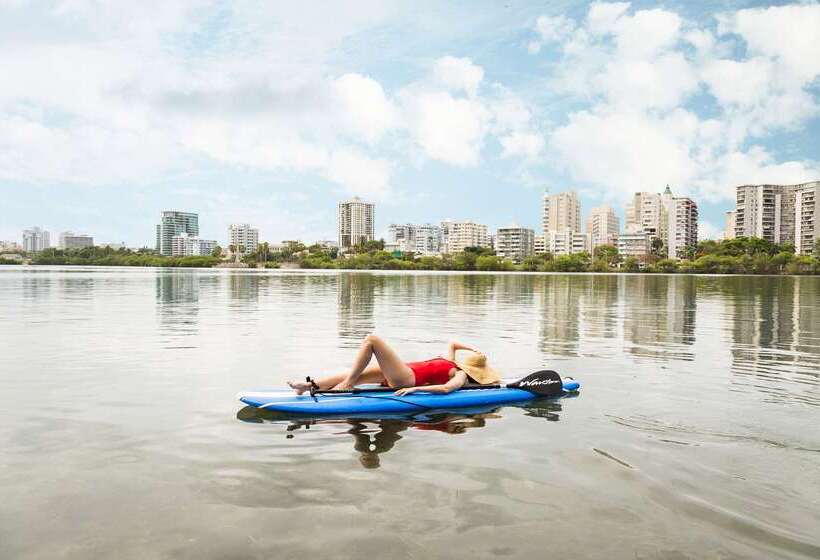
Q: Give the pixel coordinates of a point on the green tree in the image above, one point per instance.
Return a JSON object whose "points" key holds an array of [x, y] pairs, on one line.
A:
{"points": [[667, 266], [217, 252], [631, 264], [607, 253]]}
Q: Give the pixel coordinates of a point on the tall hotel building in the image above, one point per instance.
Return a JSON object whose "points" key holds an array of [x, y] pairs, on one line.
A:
{"points": [[778, 214], [355, 223], [603, 226], [172, 224], [243, 237]]}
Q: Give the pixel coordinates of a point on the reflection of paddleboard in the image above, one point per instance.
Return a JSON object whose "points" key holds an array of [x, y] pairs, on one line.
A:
{"points": [[379, 401]]}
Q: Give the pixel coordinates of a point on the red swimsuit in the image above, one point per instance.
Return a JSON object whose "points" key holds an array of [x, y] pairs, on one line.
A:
{"points": [[432, 372]]}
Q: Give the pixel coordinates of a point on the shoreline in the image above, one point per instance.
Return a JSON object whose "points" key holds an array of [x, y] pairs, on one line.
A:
{"points": [[381, 271]]}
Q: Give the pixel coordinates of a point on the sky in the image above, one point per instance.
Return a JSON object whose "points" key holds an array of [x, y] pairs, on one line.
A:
{"points": [[270, 113]]}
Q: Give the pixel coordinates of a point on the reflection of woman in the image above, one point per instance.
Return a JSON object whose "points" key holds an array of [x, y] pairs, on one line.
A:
{"points": [[382, 441], [437, 375]]}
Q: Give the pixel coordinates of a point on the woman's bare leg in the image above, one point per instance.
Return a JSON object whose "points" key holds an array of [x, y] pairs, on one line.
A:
{"points": [[371, 374], [395, 372]]}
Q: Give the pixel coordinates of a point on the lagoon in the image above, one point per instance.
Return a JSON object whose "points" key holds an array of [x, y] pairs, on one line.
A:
{"points": [[695, 434]]}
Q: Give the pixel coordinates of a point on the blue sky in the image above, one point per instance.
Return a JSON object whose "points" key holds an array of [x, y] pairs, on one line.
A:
{"points": [[268, 113]]}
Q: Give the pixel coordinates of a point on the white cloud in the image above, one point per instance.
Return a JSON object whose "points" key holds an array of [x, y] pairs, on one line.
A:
{"points": [[458, 74], [447, 128], [550, 30], [636, 70], [602, 16], [359, 174], [788, 34], [522, 144], [362, 106]]}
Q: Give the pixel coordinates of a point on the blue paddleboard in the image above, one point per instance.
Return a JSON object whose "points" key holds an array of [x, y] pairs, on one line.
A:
{"points": [[366, 402]]}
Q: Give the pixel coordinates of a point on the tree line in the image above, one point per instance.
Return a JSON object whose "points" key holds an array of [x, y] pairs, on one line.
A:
{"points": [[733, 256]]}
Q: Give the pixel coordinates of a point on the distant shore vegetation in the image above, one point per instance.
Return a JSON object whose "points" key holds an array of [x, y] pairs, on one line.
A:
{"points": [[732, 256]]}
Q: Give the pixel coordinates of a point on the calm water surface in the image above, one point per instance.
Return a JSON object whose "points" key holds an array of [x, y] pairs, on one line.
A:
{"points": [[696, 434]]}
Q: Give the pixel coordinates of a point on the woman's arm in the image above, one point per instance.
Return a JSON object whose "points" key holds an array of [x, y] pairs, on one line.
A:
{"points": [[457, 382], [453, 346]]}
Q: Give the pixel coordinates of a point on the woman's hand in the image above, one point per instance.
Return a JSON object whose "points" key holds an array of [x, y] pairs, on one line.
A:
{"points": [[406, 391]]}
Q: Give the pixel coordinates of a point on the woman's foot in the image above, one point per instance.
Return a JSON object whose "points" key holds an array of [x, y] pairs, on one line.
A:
{"points": [[299, 386]]}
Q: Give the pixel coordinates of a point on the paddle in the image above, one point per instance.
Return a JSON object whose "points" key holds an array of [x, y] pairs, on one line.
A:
{"points": [[544, 383]]}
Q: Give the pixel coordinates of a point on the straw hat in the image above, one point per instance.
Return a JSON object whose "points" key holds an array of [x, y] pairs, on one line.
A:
{"points": [[475, 365]]}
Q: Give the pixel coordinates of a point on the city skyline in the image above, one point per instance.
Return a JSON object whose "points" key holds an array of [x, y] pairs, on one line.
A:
{"points": [[436, 123]]}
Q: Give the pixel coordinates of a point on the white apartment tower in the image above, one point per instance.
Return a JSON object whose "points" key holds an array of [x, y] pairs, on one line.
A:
{"points": [[561, 212], [514, 243], [460, 235], [766, 211], [645, 213], [603, 226], [355, 223], [682, 224], [243, 237], [35, 240], [806, 219], [673, 220]]}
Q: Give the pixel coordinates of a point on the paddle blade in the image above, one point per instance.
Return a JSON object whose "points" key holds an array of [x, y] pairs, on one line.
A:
{"points": [[545, 383]]}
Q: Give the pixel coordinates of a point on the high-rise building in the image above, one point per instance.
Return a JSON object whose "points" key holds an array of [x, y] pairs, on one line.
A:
{"points": [[645, 213], [673, 220], [243, 238], [172, 224], [514, 243], [682, 226], [568, 242], [806, 217], [35, 240], [729, 229], [424, 239], [603, 226], [766, 211], [185, 245], [71, 240], [355, 222], [402, 237], [460, 235], [428, 239], [561, 212]]}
